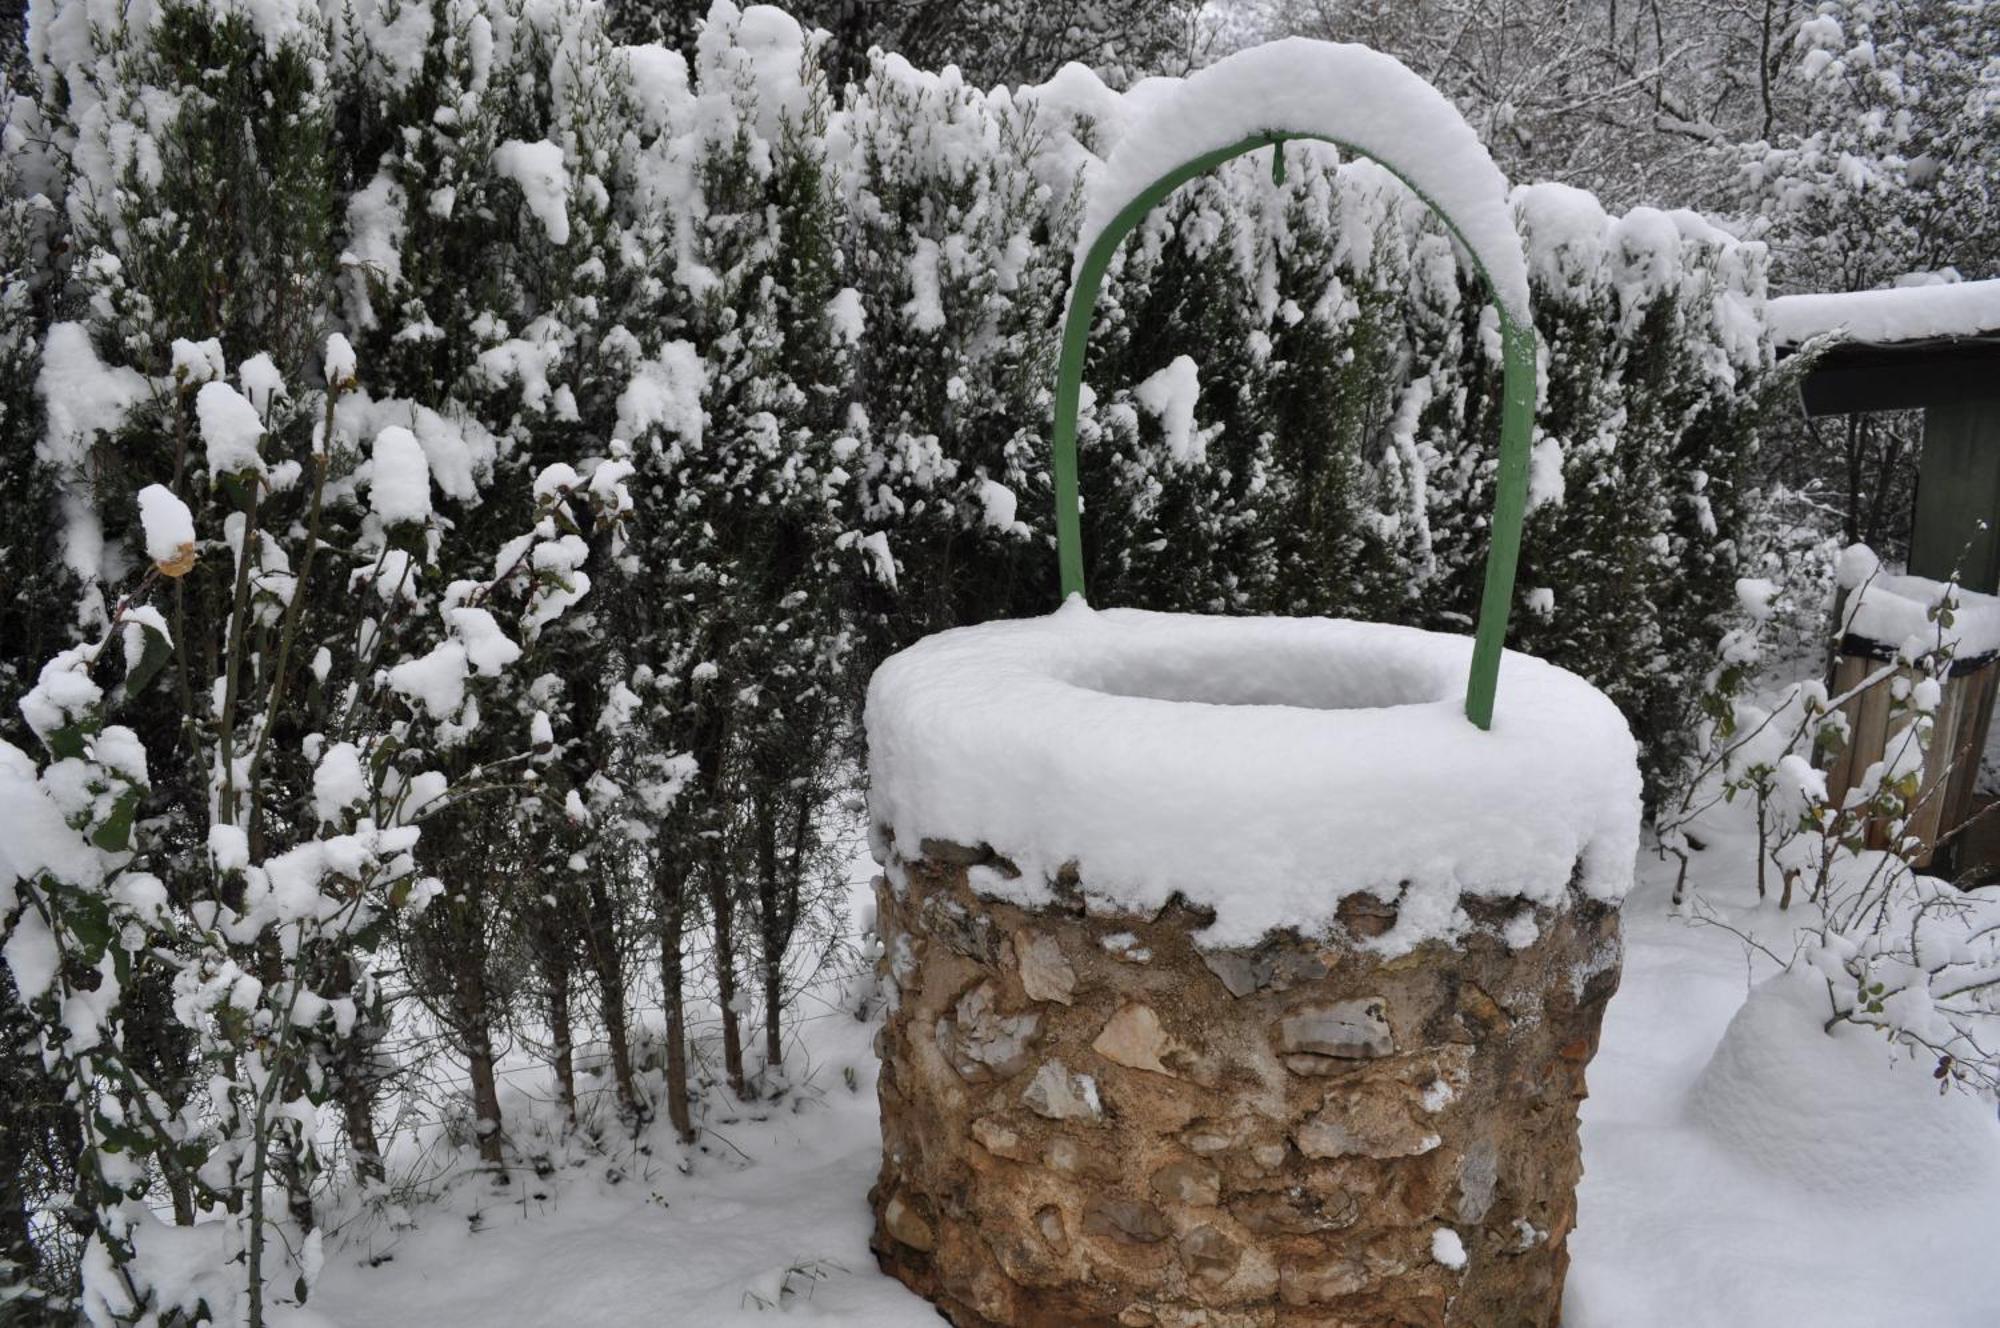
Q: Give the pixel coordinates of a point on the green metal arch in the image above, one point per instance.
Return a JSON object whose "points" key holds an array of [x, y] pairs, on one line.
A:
{"points": [[1517, 413]]}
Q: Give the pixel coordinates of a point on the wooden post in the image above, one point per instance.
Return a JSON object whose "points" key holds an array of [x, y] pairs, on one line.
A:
{"points": [[1955, 534], [1951, 766]]}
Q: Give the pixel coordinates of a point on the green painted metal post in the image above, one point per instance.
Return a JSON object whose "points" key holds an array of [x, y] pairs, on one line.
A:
{"points": [[1517, 416], [1510, 514]]}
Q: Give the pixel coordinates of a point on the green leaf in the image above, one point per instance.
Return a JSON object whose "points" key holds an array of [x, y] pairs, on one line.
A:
{"points": [[240, 491], [153, 657], [88, 918], [410, 537], [69, 740], [114, 833]]}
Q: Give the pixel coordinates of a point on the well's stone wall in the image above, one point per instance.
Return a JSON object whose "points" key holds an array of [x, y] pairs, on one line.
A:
{"points": [[1087, 1121]]}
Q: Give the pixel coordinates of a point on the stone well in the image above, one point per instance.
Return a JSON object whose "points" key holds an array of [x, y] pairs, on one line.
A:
{"points": [[1103, 1105]]}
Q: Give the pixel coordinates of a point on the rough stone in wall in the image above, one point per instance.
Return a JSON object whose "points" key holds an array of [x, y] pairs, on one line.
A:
{"points": [[1241, 1139]]}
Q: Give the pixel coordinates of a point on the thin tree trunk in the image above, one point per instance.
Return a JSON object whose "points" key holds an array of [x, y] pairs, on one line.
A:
{"points": [[672, 887], [290, 1166], [1763, 841], [774, 997], [1766, 72], [722, 914], [771, 955], [557, 976], [364, 1150], [181, 1191], [782, 883], [610, 971], [287, 1159], [710, 745], [477, 1031], [485, 1099], [357, 1075], [16, 1236]]}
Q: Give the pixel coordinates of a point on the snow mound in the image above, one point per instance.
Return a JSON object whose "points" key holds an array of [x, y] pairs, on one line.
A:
{"points": [[1260, 767], [1845, 1111], [1904, 313], [1351, 95]]}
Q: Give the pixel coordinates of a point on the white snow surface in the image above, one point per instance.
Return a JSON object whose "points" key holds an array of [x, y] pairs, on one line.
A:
{"points": [[998, 505], [375, 226], [1353, 95], [338, 361], [664, 393], [538, 168], [1678, 1226], [846, 316], [338, 782], [881, 561], [84, 396], [1170, 396], [197, 361], [399, 482], [1777, 1066], [1897, 610], [168, 524], [1260, 767], [1566, 231], [1902, 313], [231, 429], [262, 381], [1545, 474]]}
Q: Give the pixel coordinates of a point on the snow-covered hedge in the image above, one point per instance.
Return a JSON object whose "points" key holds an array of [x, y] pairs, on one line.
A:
{"points": [[727, 381]]}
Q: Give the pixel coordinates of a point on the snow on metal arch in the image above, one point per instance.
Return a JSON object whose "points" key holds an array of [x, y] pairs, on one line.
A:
{"points": [[1366, 103]]}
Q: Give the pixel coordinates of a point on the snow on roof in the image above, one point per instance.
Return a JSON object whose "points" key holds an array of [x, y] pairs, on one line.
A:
{"points": [[1349, 94], [1903, 313], [1260, 767]]}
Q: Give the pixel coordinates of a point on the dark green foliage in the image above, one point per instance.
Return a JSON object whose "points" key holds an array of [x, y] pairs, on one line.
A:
{"points": [[992, 41], [824, 345]]}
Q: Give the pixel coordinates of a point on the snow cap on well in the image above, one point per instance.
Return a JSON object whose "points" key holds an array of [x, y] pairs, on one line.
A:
{"points": [[1264, 768]]}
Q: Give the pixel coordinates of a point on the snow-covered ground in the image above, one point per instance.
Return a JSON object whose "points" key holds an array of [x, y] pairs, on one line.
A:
{"points": [[1677, 1227]]}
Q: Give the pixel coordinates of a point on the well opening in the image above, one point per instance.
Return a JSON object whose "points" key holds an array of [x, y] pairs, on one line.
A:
{"points": [[1301, 674]]}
